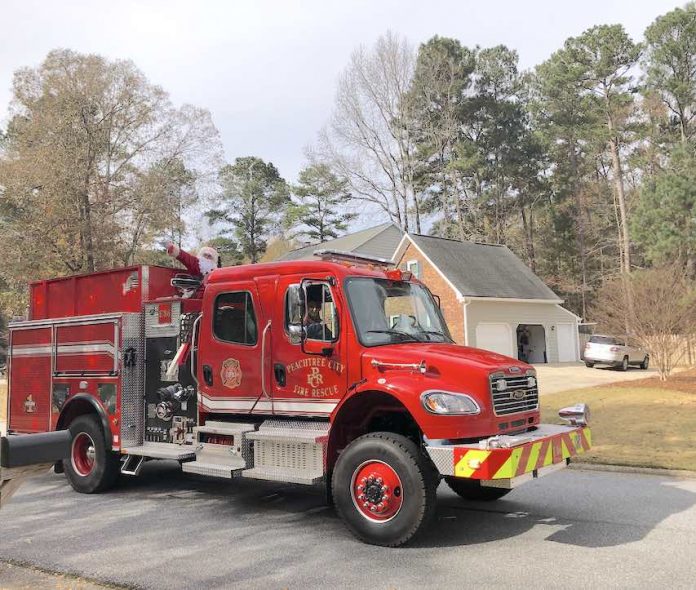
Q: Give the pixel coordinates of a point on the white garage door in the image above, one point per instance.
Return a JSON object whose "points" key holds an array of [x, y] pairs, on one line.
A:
{"points": [[495, 337], [567, 351]]}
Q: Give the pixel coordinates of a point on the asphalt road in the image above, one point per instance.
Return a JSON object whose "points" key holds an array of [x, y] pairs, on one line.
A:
{"points": [[166, 529]]}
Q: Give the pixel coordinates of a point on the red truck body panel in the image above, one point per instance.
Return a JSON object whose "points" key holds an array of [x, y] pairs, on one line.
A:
{"points": [[121, 289]]}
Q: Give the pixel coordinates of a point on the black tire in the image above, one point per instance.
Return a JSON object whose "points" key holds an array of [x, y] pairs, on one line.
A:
{"points": [[589, 365], [471, 489], [646, 363], [624, 364], [103, 472], [416, 474]]}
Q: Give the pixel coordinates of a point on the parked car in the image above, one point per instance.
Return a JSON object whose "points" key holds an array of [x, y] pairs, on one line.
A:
{"points": [[609, 350]]}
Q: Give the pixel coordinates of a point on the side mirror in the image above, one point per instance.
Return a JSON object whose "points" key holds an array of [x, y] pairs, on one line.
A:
{"points": [[295, 332]]}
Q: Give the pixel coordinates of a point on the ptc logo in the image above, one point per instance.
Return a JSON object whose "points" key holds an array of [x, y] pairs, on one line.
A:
{"points": [[314, 377], [30, 404]]}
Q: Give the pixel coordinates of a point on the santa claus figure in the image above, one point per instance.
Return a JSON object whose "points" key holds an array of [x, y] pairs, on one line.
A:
{"points": [[199, 266]]}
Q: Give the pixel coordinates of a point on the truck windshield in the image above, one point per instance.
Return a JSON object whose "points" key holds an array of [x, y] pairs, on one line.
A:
{"points": [[392, 312]]}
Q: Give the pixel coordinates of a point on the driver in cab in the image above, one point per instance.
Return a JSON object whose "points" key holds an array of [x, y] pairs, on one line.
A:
{"points": [[316, 328]]}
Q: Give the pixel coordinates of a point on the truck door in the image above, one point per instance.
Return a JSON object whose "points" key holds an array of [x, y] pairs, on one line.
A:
{"points": [[308, 384], [229, 356]]}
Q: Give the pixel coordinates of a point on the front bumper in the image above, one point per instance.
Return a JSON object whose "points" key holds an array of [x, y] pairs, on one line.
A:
{"points": [[603, 357], [507, 461]]}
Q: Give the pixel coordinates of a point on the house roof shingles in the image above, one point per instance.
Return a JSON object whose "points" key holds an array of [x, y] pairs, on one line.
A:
{"points": [[381, 241], [483, 270]]}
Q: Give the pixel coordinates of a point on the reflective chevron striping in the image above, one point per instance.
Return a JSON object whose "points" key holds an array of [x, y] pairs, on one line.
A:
{"points": [[509, 463], [464, 468]]}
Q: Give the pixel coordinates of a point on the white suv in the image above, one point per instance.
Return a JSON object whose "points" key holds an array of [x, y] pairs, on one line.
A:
{"points": [[608, 350]]}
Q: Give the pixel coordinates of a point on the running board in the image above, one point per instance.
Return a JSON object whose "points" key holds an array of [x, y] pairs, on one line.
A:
{"points": [[287, 475]]}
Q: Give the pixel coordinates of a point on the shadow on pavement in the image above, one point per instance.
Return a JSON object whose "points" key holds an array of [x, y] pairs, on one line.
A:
{"points": [[605, 515]]}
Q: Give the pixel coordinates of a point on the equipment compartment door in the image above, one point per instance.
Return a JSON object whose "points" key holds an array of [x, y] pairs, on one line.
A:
{"points": [[30, 379], [230, 351]]}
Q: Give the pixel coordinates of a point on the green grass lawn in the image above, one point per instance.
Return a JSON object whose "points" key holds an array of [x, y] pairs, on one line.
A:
{"points": [[644, 424]]}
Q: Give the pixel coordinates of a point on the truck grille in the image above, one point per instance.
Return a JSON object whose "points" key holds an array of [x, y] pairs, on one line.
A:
{"points": [[506, 402]]}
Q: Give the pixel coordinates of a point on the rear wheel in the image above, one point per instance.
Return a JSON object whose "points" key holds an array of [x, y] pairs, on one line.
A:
{"points": [[589, 365], [384, 488], [471, 489], [92, 467], [646, 363], [624, 364]]}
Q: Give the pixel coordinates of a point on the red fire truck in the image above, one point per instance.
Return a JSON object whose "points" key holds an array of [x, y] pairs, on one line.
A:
{"points": [[339, 371]]}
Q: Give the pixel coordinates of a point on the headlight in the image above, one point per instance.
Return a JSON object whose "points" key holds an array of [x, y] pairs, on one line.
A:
{"points": [[445, 402]]}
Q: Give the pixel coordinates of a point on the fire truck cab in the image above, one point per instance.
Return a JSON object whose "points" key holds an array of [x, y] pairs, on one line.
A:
{"points": [[338, 371]]}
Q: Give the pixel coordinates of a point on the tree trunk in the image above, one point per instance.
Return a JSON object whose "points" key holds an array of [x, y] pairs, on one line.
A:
{"points": [[528, 238], [579, 205], [460, 218], [416, 206], [87, 230], [621, 199]]}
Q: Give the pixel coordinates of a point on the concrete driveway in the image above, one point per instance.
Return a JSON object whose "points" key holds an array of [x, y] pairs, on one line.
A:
{"points": [[555, 377]]}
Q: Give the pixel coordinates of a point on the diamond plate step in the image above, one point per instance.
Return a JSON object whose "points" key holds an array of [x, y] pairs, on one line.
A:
{"points": [[162, 451], [229, 428], [296, 432], [286, 475], [214, 469]]}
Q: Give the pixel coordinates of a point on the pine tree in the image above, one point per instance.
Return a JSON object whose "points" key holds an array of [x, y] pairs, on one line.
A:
{"points": [[317, 212]]}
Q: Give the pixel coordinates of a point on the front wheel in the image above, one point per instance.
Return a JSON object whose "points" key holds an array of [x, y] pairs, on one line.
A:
{"points": [[589, 365], [645, 364], [92, 467], [471, 489], [384, 488]]}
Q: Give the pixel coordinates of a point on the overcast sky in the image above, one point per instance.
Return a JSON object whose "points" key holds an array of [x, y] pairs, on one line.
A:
{"points": [[267, 70]]}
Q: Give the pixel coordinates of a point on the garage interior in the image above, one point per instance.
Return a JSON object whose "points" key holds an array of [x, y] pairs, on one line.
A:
{"points": [[531, 343]]}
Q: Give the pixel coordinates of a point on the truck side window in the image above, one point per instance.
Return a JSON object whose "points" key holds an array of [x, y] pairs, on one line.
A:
{"points": [[321, 319], [235, 320], [322, 322]]}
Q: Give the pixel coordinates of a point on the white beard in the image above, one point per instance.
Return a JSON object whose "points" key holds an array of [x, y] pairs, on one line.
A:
{"points": [[206, 266]]}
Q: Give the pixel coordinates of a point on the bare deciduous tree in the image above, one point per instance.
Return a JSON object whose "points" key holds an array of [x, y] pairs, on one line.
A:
{"points": [[369, 140], [664, 304], [96, 164]]}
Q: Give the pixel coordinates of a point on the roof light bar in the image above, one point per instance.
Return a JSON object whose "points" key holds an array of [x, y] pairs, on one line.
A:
{"points": [[342, 256]]}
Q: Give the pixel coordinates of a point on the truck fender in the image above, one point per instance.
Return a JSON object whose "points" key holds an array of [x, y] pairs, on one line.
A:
{"points": [[364, 404], [399, 389], [92, 405]]}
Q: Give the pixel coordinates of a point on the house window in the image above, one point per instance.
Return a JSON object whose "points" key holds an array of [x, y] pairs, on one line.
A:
{"points": [[235, 320], [414, 267]]}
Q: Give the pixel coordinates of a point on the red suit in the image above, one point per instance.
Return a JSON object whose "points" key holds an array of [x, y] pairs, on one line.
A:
{"points": [[197, 266], [190, 262]]}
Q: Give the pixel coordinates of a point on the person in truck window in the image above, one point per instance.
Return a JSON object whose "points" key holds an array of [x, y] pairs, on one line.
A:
{"points": [[199, 266], [316, 328]]}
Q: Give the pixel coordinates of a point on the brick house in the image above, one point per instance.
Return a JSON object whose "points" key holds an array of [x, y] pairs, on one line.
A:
{"points": [[488, 296], [491, 299]]}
